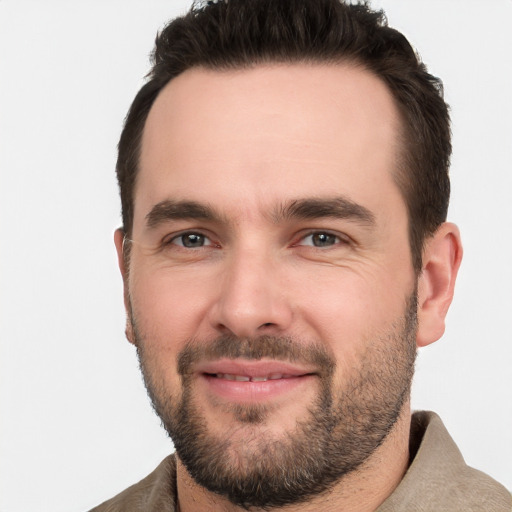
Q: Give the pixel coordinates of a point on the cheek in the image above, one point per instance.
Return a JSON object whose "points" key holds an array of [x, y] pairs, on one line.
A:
{"points": [[163, 317], [347, 309], [168, 305]]}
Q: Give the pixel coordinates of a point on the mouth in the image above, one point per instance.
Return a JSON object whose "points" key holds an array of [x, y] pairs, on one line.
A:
{"points": [[242, 381], [247, 378]]}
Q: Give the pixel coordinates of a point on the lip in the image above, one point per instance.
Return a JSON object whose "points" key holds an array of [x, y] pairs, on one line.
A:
{"points": [[251, 369], [283, 378]]}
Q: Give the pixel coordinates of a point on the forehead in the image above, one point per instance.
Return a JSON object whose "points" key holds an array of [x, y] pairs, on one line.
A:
{"points": [[268, 133]]}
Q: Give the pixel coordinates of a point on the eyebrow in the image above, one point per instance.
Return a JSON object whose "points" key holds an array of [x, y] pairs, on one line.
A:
{"points": [[301, 209], [179, 210], [316, 208]]}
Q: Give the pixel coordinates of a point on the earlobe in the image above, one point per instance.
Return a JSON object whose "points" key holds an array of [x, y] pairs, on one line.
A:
{"points": [[442, 256], [119, 238]]}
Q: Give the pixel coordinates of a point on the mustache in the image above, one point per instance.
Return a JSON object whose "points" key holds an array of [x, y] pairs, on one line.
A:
{"points": [[270, 347]]}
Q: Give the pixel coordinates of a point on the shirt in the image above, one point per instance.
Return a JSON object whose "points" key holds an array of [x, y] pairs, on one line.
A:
{"points": [[438, 480]]}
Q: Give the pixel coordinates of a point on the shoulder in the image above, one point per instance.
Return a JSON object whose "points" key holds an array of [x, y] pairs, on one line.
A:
{"points": [[438, 477], [157, 491]]}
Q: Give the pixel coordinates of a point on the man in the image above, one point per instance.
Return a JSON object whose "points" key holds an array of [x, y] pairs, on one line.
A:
{"points": [[284, 250]]}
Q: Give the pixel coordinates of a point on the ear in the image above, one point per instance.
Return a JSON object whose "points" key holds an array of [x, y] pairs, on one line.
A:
{"points": [[119, 240], [441, 260]]}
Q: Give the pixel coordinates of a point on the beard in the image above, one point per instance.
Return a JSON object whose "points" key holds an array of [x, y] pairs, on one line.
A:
{"points": [[340, 430]]}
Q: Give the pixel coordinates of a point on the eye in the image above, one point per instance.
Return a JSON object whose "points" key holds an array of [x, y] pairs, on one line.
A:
{"points": [[191, 240], [321, 239]]}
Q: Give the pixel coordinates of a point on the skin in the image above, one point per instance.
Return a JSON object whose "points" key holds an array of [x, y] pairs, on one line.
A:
{"points": [[245, 143]]}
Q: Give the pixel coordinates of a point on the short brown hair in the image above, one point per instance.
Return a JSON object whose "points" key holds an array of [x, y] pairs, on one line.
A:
{"points": [[237, 34]]}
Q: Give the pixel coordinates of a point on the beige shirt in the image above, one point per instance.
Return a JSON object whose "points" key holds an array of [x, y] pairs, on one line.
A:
{"points": [[438, 480]]}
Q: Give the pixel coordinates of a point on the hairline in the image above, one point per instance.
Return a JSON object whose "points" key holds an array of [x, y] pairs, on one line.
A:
{"points": [[402, 172]]}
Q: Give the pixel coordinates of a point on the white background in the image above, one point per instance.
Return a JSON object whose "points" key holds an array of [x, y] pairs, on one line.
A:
{"points": [[75, 424]]}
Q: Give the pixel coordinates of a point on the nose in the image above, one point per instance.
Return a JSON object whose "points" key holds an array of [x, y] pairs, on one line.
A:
{"points": [[252, 299]]}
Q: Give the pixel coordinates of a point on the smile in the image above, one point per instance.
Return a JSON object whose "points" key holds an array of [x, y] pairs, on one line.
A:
{"points": [[248, 381], [246, 378]]}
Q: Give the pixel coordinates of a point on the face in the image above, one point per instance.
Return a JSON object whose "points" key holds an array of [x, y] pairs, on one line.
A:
{"points": [[271, 293]]}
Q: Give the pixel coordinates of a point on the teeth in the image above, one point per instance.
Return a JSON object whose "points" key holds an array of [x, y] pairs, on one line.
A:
{"points": [[229, 376], [245, 378]]}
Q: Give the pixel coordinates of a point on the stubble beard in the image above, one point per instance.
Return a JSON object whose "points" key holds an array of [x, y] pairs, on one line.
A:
{"points": [[338, 433]]}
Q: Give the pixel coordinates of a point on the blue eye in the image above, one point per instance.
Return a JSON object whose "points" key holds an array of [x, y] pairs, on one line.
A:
{"points": [[191, 240], [320, 239]]}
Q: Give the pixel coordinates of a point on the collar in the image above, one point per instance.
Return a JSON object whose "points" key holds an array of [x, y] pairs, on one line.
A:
{"points": [[438, 479]]}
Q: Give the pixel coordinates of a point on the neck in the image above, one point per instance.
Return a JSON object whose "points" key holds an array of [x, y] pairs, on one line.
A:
{"points": [[363, 490]]}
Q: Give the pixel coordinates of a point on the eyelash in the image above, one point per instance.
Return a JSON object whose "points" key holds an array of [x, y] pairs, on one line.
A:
{"points": [[182, 235], [338, 240]]}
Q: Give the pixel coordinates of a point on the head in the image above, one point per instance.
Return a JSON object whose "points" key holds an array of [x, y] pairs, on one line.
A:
{"points": [[239, 35], [283, 199]]}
